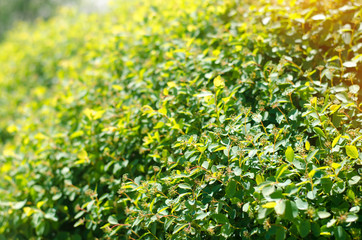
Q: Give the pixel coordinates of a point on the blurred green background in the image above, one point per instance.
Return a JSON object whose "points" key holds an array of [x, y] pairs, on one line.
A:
{"points": [[12, 11]]}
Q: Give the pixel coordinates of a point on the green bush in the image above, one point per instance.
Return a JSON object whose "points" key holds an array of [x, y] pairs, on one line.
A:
{"points": [[184, 120]]}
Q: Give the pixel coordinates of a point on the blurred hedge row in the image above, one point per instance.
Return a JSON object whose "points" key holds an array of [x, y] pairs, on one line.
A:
{"points": [[184, 120]]}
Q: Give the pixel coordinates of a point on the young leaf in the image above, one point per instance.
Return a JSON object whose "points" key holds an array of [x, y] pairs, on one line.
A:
{"points": [[179, 228], [352, 151], [219, 82], [289, 153], [307, 145], [269, 205], [335, 141]]}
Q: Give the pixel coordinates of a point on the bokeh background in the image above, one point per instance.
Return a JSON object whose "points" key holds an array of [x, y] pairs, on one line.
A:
{"points": [[14, 11]]}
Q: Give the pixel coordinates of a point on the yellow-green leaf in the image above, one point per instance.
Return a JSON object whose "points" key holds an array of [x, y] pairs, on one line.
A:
{"points": [[117, 87], [219, 82], [220, 148], [307, 145], [151, 205], [93, 114], [334, 108], [179, 228], [352, 151], [171, 84], [159, 125], [289, 153], [269, 205], [259, 179], [163, 111], [319, 132], [313, 101], [336, 165], [335, 141]]}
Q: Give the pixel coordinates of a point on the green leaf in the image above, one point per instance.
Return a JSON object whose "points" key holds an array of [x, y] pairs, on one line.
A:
{"points": [[311, 155], [339, 187], [354, 180], [281, 170], [202, 216], [231, 188], [340, 233], [289, 153], [356, 139], [280, 207], [40, 228], [159, 125], [184, 186], [323, 214], [112, 220], [342, 96], [19, 205], [280, 233], [264, 212], [259, 179], [267, 190], [319, 132], [352, 151], [179, 227], [220, 218], [291, 210], [51, 215], [300, 204], [152, 203], [304, 228], [78, 223], [237, 171], [351, 194], [351, 217], [315, 229], [257, 117], [354, 89]]}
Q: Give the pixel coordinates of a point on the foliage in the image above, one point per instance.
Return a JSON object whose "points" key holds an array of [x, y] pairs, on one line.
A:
{"points": [[184, 120]]}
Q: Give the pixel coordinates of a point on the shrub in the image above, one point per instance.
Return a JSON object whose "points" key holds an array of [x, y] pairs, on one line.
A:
{"points": [[184, 120]]}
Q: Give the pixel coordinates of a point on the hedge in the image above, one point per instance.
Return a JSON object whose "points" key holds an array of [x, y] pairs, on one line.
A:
{"points": [[184, 119]]}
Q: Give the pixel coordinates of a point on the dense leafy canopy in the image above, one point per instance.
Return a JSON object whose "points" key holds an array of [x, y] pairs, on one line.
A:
{"points": [[184, 119]]}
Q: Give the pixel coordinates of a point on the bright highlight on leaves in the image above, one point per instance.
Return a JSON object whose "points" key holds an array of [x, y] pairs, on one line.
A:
{"points": [[219, 82], [289, 154], [269, 205], [352, 151]]}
